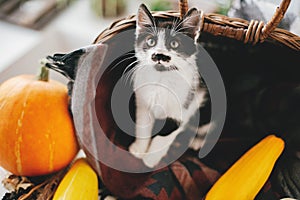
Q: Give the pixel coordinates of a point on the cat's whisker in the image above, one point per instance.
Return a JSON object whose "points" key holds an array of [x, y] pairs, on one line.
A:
{"points": [[173, 24], [130, 76], [127, 73], [151, 29], [135, 68], [134, 62], [117, 64], [146, 26], [155, 29], [127, 54], [184, 28], [175, 21], [131, 73], [123, 60], [183, 21]]}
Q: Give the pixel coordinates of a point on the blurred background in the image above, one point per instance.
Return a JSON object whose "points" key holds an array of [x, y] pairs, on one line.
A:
{"points": [[33, 29]]}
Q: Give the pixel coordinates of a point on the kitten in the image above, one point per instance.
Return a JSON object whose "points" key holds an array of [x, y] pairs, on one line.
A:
{"points": [[166, 80]]}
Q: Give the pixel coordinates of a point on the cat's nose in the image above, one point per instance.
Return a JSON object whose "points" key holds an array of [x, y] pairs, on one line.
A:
{"points": [[160, 57]]}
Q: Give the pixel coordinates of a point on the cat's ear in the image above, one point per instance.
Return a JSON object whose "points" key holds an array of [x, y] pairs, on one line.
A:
{"points": [[192, 22], [144, 19]]}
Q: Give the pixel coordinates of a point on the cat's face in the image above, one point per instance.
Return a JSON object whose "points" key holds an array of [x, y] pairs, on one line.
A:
{"points": [[166, 45]]}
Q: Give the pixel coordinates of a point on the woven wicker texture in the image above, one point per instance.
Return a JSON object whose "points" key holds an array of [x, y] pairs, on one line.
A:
{"points": [[252, 32]]}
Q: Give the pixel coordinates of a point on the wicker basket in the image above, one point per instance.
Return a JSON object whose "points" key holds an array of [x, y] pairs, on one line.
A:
{"points": [[250, 56], [252, 32]]}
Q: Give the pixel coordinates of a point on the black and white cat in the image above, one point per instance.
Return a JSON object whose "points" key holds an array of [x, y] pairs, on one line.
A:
{"points": [[166, 80]]}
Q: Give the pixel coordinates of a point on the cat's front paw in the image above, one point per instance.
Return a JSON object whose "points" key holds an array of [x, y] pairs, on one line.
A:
{"points": [[157, 150], [151, 159], [137, 150]]}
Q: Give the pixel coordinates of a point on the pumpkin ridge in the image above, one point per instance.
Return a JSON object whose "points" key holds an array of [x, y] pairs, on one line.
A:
{"points": [[51, 151], [20, 136]]}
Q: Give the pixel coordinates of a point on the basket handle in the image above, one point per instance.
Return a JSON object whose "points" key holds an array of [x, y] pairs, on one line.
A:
{"points": [[277, 17], [256, 30], [183, 7]]}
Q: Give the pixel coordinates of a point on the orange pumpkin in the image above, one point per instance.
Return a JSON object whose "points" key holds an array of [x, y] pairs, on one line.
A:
{"points": [[37, 135]]}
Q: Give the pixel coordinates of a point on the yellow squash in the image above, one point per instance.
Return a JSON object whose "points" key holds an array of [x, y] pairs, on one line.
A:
{"points": [[246, 177], [80, 183]]}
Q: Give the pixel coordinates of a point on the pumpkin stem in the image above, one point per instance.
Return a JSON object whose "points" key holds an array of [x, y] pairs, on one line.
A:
{"points": [[44, 74]]}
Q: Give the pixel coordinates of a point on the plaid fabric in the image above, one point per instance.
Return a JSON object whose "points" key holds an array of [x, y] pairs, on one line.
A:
{"points": [[189, 177], [186, 179]]}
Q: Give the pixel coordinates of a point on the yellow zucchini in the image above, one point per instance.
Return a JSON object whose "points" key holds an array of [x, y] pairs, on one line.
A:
{"points": [[245, 178], [80, 183]]}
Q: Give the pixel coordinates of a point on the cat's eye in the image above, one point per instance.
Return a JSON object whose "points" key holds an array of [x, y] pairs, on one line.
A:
{"points": [[174, 44], [151, 42]]}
